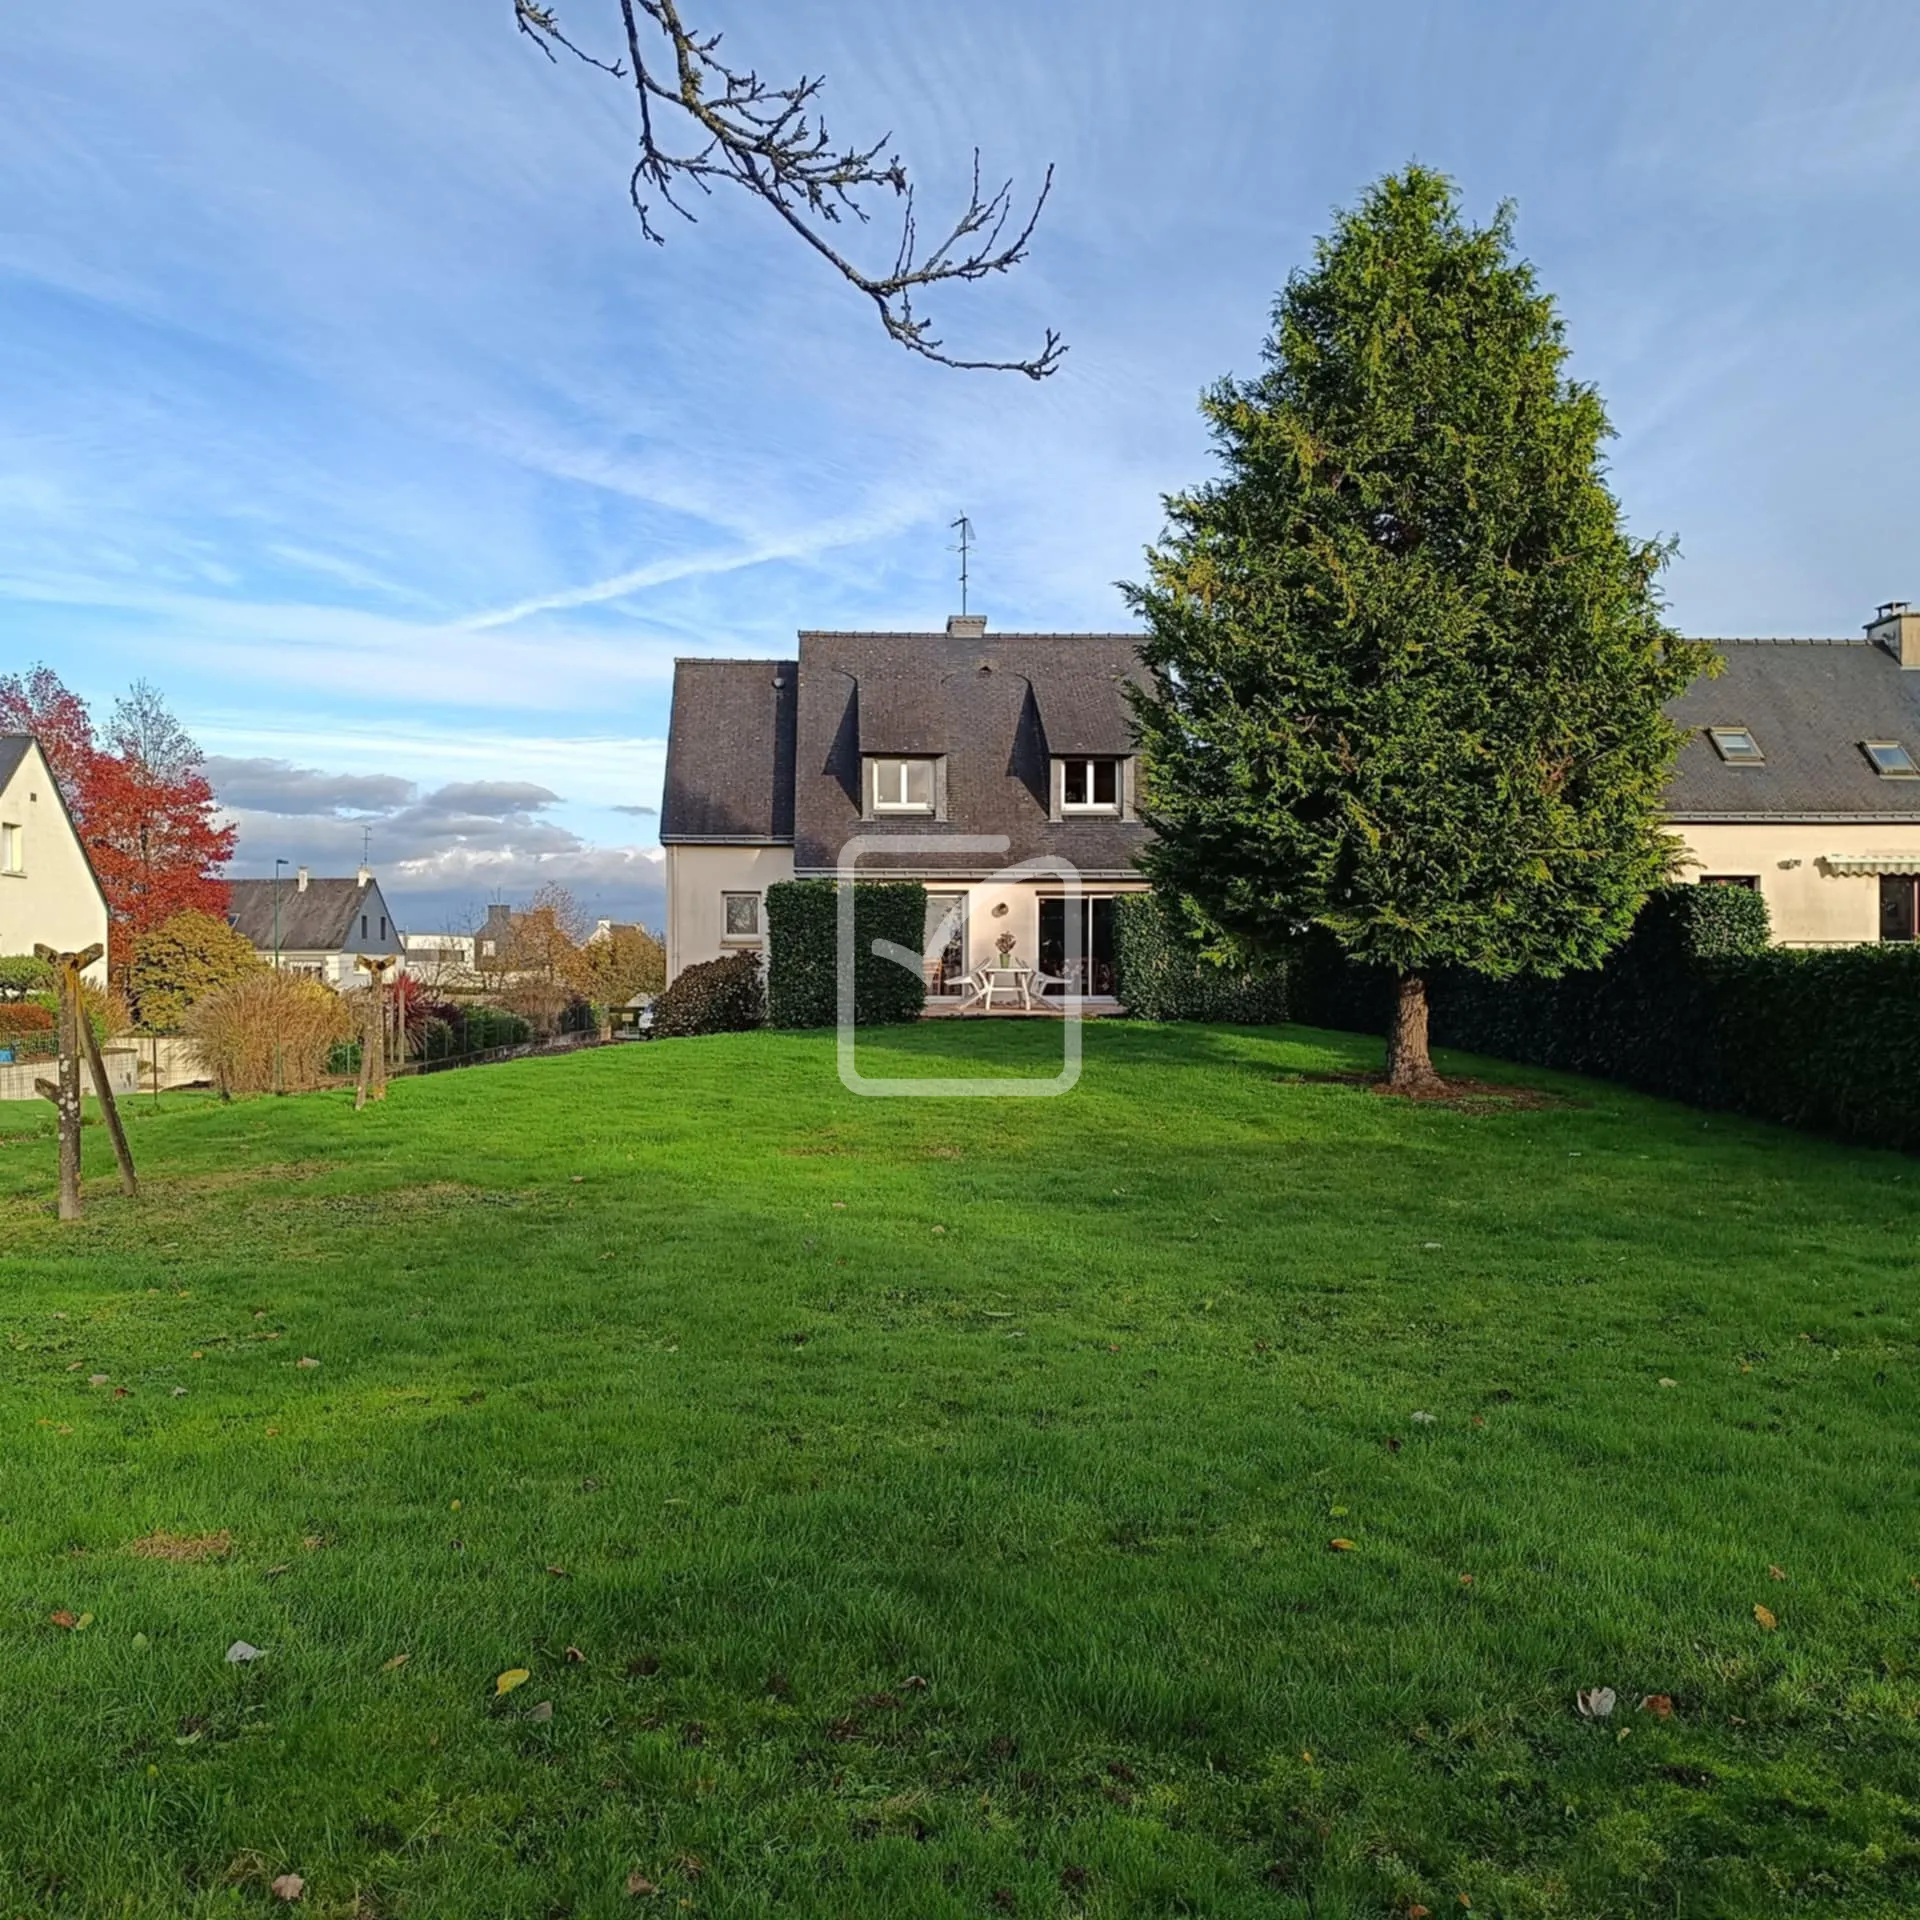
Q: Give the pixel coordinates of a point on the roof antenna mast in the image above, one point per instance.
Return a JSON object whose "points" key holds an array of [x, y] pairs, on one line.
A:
{"points": [[964, 547]]}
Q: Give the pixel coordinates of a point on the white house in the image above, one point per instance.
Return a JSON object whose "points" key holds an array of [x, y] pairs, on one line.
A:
{"points": [[48, 893], [319, 928]]}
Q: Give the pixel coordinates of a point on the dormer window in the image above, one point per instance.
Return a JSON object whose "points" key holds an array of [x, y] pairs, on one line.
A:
{"points": [[1891, 759], [1736, 746], [901, 786], [1089, 786]]}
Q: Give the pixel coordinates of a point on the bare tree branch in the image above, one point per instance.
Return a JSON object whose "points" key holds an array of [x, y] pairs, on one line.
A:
{"points": [[772, 141]]}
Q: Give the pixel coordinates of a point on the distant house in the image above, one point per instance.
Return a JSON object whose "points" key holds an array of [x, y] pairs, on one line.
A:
{"points": [[319, 928], [48, 893], [1021, 739], [1802, 781]]}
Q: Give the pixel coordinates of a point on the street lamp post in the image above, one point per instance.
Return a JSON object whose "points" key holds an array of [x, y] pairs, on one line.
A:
{"points": [[277, 865]]}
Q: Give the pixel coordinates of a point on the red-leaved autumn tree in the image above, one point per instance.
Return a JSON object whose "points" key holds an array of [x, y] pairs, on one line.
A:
{"points": [[141, 803]]}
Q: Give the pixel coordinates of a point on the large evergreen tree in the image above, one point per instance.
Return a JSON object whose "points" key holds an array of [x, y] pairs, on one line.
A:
{"points": [[1412, 668]]}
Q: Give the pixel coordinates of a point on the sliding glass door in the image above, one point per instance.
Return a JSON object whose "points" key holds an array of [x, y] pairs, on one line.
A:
{"points": [[1089, 967]]}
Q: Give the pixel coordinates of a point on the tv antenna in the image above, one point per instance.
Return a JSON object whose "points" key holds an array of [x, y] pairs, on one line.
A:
{"points": [[963, 548], [366, 846]]}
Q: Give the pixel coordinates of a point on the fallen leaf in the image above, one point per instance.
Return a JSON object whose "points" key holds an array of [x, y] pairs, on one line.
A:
{"points": [[240, 1652], [1665, 1382], [1660, 1705], [914, 1683], [274, 1573], [1418, 1912], [197, 1355], [1595, 1703], [123, 1393], [394, 1665], [1768, 1619], [453, 1506], [1778, 1573], [83, 1623], [306, 1360], [560, 1573], [575, 1657], [1466, 1579], [542, 1713], [1339, 1546], [639, 1887], [62, 1619], [98, 1379], [513, 1677], [138, 1642], [1424, 1419], [179, 1393], [289, 1886], [74, 1366]]}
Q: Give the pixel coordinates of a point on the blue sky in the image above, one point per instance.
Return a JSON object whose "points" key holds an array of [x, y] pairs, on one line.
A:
{"points": [[341, 397]]}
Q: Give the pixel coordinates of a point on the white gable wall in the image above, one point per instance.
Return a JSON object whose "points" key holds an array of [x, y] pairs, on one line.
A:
{"points": [[53, 900]]}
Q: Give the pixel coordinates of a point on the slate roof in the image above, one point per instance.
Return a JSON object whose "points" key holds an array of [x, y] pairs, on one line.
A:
{"points": [[730, 752], [13, 749], [324, 919], [1808, 704], [997, 706]]}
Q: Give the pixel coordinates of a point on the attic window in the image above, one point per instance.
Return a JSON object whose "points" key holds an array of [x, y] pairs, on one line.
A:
{"points": [[1890, 758], [1736, 746], [902, 786]]}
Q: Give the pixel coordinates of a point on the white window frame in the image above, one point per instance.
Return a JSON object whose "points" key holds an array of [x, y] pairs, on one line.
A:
{"points": [[728, 937], [13, 847], [900, 803], [1109, 809]]}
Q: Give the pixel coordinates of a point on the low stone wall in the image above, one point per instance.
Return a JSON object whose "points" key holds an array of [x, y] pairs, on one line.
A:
{"points": [[17, 1078]]}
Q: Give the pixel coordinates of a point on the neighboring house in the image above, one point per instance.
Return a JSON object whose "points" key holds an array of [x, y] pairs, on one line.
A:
{"points": [[1804, 780], [438, 959], [493, 940], [48, 893], [315, 927], [774, 765]]}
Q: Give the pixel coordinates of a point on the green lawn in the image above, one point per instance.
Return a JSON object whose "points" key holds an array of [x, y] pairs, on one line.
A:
{"points": [[922, 1508]]}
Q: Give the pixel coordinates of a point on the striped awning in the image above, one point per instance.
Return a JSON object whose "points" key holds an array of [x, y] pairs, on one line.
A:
{"points": [[1872, 862]]}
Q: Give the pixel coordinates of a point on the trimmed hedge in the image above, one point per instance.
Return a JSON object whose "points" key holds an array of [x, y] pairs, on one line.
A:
{"points": [[1694, 1005], [1161, 975], [21, 974], [712, 996], [803, 931]]}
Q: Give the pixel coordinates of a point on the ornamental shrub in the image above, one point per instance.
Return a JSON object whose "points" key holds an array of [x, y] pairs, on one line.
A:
{"points": [[803, 945], [182, 960], [22, 974], [269, 1031], [1163, 975], [713, 996]]}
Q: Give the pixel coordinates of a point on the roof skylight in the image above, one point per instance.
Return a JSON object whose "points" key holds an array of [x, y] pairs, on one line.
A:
{"points": [[1889, 757], [1736, 745]]}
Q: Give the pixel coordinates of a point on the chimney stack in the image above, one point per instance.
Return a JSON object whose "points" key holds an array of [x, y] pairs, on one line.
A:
{"points": [[364, 875], [300, 880], [1897, 628], [966, 626]]}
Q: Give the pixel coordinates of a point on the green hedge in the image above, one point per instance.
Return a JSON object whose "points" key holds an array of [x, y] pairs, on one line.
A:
{"points": [[1694, 1005], [803, 933], [1162, 976], [712, 996], [21, 974]]}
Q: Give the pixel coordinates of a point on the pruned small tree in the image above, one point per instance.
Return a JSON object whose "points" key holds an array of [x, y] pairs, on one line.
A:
{"points": [[702, 120], [1411, 669]]}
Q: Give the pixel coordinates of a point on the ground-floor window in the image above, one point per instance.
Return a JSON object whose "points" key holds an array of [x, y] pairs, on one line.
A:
{"points": [[945, 945], [742, 915], [1090, 970], [1898, 918]]}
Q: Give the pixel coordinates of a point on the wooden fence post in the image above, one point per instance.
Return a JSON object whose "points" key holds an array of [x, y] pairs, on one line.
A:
{"points": [[373, 1032], [65, 1091]]}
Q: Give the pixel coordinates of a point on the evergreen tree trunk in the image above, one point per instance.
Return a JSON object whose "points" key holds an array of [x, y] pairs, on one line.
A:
{"points": [[1409, 1065]]}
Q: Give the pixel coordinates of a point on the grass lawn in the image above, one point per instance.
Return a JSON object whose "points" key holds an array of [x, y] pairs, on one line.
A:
{"points": [[923, 1508]]}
